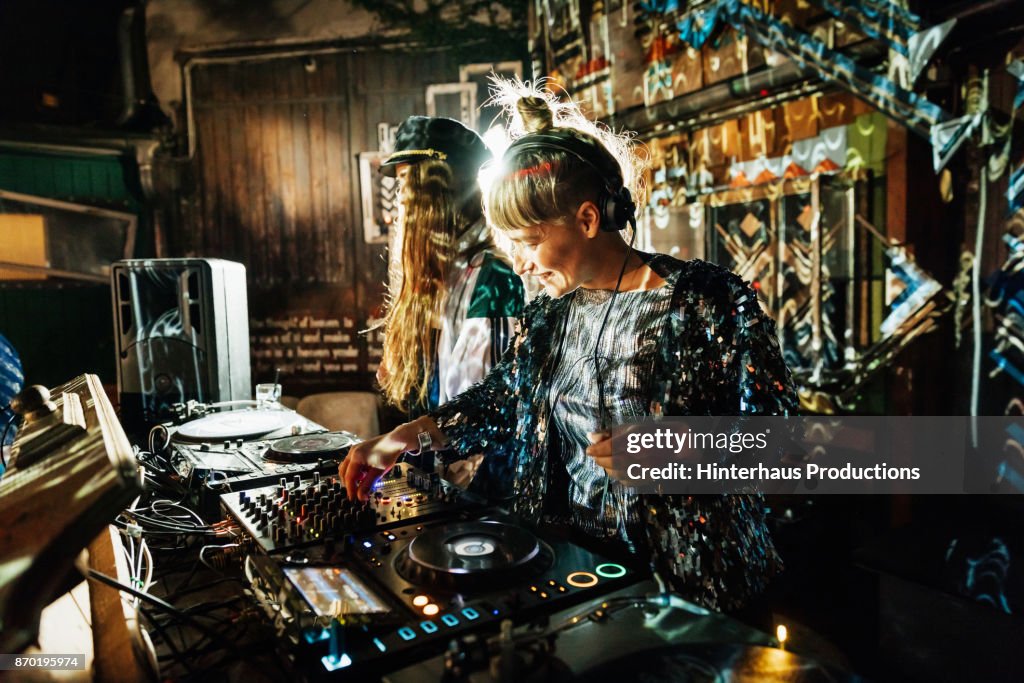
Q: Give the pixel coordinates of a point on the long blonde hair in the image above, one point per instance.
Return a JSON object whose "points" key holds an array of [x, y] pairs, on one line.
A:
{"points": [[429, 227]]}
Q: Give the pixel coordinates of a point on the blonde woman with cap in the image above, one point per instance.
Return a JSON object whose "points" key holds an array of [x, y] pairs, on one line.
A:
{"points": [[453, 298]]}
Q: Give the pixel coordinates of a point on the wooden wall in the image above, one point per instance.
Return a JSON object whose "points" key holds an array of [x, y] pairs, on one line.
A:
{"points": [[276, 187]]}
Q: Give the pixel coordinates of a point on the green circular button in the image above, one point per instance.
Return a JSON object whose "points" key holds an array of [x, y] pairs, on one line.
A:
{"points": [[610, 570]]}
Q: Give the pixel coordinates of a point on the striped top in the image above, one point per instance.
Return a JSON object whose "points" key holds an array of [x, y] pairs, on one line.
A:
{"points": [[625, 360]]}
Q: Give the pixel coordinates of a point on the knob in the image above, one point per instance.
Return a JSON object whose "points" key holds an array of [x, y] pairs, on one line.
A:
{"points": [[33, 403]]}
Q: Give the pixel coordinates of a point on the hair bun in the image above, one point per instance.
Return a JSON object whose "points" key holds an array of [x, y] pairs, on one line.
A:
{"points": [[536, 114]]}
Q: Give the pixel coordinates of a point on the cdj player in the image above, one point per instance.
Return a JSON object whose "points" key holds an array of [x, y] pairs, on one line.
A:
{"points": [[360, 589], [385, 599]]}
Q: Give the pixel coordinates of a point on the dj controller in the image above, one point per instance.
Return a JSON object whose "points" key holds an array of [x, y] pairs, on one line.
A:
{"points": [[362, 588], [356, 605]]}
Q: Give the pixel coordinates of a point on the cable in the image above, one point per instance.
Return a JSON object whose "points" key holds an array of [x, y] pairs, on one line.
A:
{"points": [[163, 605], [979, 238], [602, 413]]}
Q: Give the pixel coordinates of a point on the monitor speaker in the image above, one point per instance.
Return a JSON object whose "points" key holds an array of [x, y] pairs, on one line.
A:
{"points": [[182, 333]]}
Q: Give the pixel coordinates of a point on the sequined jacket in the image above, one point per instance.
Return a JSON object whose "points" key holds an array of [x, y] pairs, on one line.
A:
{"points": [[719, 356]]}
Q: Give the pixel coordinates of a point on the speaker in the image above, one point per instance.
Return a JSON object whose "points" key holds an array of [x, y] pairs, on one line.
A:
{"points": [[182, 333]]}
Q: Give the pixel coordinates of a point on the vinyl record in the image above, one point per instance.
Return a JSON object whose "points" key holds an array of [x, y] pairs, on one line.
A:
{"points": [[236, 424], [457, 556], [309, 447]]}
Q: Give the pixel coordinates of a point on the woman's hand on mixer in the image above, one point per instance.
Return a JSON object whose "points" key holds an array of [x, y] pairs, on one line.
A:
{"points": [[367, 461]]}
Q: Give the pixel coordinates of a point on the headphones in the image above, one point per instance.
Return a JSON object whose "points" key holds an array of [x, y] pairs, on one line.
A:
{"points": [[614, 201]]}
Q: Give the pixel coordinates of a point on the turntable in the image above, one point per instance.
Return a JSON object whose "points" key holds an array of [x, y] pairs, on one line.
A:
{"points": [[240, 424], [309, 447], [467, 555]]}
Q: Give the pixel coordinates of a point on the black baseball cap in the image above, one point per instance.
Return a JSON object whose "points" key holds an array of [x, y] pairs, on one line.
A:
{"points": [[427, 137]]}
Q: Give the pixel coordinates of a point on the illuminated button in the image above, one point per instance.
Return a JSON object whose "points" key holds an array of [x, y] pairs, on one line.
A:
{"points": [[552, 582], [380, 645], [428, 627], [367, 544], [334, 662], [533, 589], [391, 537], [450, 620], [543, 595], [431, 609], [420, 600], [562, 589], [470, 613], [610, 570], [581, 579], [406, 633]]}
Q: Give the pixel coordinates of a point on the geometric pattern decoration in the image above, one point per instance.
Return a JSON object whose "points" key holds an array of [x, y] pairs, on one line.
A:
{"points": [[794, 241]]}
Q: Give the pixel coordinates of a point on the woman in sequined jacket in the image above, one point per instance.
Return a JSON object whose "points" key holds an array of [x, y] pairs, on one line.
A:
{"points": [[683, 338]]}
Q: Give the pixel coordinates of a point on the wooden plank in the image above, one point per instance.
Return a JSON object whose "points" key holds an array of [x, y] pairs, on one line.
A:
{"points": [[342, 219], [112, 618], [239, 206], [302, 248], [287, 262], [206, 157], [274, 209], [256, 177], [319, 174]]}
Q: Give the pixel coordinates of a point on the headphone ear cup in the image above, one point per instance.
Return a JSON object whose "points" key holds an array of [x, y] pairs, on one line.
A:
{"points": [[609, 211], [617, 210]]}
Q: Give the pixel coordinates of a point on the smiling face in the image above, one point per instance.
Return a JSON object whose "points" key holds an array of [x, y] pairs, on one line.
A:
{"points": [[559, 254]]}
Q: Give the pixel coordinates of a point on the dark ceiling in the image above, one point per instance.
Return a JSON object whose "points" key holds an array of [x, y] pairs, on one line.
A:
{"points": [[61, 60]]}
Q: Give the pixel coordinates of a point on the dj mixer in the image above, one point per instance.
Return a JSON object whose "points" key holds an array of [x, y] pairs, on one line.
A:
{"points": [[301, 511]]}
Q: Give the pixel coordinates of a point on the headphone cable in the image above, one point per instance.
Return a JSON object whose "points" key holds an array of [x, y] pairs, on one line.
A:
{"points": [[602, 414]]}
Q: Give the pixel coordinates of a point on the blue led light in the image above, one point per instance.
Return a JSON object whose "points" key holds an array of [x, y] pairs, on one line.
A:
{"points": [[494, 612], [380, 645], [333, 663], [316, 635], [450, 619], [470, 613], [406, 633], [428, 626]]}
